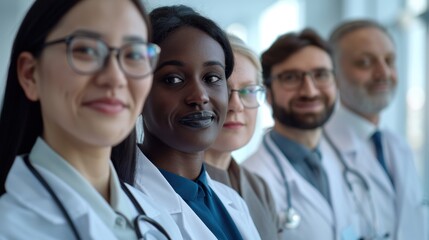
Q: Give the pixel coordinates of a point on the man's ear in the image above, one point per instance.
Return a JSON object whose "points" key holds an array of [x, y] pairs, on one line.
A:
{"points": [[26, 67]]}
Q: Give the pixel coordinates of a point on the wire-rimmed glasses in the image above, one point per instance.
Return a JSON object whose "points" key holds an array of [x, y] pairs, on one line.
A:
{"points": [[251, 96], [293, 79], [89, 54]]}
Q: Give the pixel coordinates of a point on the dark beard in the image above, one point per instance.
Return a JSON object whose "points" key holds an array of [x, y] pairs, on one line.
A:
{"points": [[302, 121]]}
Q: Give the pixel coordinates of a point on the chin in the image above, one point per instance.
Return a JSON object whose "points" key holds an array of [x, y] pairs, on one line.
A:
{"points": [[105, 140]]}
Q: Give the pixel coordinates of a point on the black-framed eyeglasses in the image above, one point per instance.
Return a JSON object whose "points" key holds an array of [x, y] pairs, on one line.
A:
{"points": [[293, 79], [89, 54], [251, 96]]}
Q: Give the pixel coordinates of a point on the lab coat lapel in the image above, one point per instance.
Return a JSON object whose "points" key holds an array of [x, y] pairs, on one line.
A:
{"points": [[301, 188], [235, 211], [153, 183], [341, 197], [34, 197], [357, 155]]}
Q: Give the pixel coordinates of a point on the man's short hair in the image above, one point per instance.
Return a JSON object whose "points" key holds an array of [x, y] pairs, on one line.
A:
{"points": [[286, 45]]}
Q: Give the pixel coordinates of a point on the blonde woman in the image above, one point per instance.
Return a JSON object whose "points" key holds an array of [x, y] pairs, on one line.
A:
{"points": [[245, 96]]}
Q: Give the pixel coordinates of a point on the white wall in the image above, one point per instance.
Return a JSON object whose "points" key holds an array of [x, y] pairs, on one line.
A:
{"points": [[11, 13]]}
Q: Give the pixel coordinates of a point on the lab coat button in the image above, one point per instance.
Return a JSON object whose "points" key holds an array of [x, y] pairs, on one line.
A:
{"points": [[120, 221]]}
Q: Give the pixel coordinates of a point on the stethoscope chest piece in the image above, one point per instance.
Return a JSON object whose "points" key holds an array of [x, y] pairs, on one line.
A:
{"points": [[290, 218]]}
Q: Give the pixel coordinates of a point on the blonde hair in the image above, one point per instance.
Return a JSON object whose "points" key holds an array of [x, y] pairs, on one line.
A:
{"points": [[239, 47]]}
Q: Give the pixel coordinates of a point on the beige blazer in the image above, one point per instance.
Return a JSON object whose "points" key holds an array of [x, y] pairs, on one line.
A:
{"points": [[255, 193]]}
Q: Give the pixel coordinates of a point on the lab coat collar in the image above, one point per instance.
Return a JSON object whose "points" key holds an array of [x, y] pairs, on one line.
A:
{"points": [[44, 156], [21, 186], [363, 128], [351, 142], [150, 179], [300, 187]]}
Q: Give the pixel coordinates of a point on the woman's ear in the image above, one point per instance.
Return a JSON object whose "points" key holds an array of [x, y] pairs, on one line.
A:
{"points": [[268, 95], [26, 67]]}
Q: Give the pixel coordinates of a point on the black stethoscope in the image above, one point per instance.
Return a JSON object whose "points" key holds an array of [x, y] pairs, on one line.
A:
{"points": [[292, 218], [161, 232]]}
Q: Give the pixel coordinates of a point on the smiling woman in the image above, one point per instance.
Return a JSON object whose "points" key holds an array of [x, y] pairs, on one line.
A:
{"points": [[183, 115], [190, 87], [79, 75]]}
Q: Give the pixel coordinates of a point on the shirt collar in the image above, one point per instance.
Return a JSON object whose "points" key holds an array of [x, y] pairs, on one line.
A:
{"points": [[364, 128], [44, 156], [293, 151], [187, 188]]}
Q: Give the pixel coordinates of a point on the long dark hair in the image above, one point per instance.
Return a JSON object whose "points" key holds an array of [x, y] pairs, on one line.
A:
{"points": [[21, 119]]}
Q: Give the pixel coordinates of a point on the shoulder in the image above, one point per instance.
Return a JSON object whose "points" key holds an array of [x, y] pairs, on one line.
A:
{"points": [[14, 219], [396, 139], [258, 183], [260, 188], [257, 159], [399, 148]]}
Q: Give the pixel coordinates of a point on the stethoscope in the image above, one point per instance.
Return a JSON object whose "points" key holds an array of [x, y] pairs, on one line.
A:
{"points": [[142, 215], [292, 218], [347, 174]]}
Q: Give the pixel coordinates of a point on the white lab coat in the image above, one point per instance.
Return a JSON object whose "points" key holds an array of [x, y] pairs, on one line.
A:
{"points": [[318, 219], [27, 211], [399, 210], [150, 180]]}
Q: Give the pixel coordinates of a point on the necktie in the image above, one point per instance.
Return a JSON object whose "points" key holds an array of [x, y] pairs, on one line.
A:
{"points": [[321, 181], [376, 139]]}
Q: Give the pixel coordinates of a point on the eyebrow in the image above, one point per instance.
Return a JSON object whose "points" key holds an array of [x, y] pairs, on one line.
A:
{"points": [[87, 33], [214, 63], [93, 34], [133, 39], [180, 64], [300, 70], [169, 63]]}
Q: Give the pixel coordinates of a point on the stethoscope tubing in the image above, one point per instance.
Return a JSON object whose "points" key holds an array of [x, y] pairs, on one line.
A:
{"points": [[53, 195], [347, 170], [282, 173], [142, 214]]}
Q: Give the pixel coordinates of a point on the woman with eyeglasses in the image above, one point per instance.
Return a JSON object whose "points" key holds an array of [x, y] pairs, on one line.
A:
{"points": [[246, 94], [184, 112], [79, 74]]}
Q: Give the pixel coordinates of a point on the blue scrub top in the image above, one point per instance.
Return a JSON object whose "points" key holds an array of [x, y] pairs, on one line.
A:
{"points": [[205, 203]]}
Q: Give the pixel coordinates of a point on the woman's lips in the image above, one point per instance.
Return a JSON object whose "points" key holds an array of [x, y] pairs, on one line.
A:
{"points": [[200, 119], [233, 125], [110, 106]]}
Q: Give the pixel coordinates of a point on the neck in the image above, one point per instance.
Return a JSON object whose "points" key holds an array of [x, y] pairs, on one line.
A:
{"points": [[309, 138], [187, 165], [218, 159], [373, 118], [91, 162]]}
